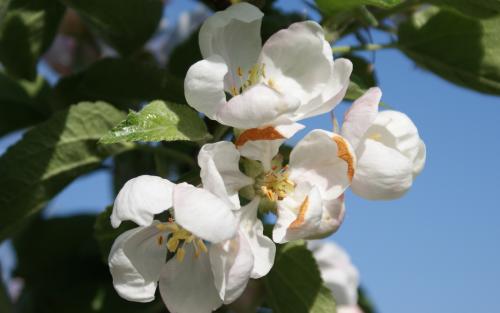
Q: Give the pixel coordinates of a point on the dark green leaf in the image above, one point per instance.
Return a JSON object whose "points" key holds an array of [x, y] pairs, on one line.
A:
{"points": [[184, 55], [122, 82], [159, 121], [363, 72], [27, 29], [294, 284], [5, 302], [475, 8], [331, 6], [125, 24], [462, 50], [50, 156], [22, 103]]}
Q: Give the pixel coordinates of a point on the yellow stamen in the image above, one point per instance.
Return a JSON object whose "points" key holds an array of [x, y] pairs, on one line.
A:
{"points": [[180, 254], [172, 244], [201, 245], [160, 240]]}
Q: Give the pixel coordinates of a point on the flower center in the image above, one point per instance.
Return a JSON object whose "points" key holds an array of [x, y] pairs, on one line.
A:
{"points": [[179, 240], [275, 184], [253, 77]]}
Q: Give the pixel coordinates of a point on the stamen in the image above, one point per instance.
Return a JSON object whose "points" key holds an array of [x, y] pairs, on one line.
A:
{"points": [[172, 244], [376, 136], [201, 245], [180, 254], [160, 240]]}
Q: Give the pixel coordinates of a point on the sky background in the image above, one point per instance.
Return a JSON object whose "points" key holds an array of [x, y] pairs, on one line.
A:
{"points": [[434, 250]]}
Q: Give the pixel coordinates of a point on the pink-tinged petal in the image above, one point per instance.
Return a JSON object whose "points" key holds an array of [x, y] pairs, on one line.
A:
{"points": [[140, 199], [135, 262], [204, 86], [203, 213], [258, 106], [234, 35], [232, 263], [361, 116], [188, 286]]}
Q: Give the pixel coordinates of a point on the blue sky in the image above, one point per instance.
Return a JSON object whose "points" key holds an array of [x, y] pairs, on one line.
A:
{"points": [[436, 249]]}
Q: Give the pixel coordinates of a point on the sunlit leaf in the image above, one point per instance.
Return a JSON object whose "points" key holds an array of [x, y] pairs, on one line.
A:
{"points": [[330, 6]]}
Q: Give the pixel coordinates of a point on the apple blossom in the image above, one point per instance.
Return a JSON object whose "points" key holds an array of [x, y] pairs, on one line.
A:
{"points": [[338, 274], [291, 77], [388, 147]]}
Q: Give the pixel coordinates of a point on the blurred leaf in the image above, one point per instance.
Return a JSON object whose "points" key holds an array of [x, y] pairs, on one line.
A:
{"points": [[121, 82], [275, 20], [475, 8], [331, 6], [22, 103], [50, 156], [159, 121], [27, 29], [5, 302], [105, 234], [125, 24], [354, 91], [294, 284], [467, 54], [60, 263], [131, 164], [364, 302], [363, 72], [184, 55]]}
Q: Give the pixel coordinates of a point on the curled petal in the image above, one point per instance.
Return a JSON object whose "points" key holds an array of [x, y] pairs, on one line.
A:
{"points": [[140, 199], [234, 35], [295, 61], [331, 218], [135, 262], [361, 116], [299, 214], [232, 263], [258, 106], [204, 86], [220, 173], [324, 159], [188, 286], [382, 173], [203, 213]]}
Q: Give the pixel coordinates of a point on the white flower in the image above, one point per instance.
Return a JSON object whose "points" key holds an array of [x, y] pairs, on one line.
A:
{"points": [[338, 274], [309, 191], [210, 256], [291, 77], [389, 150]]}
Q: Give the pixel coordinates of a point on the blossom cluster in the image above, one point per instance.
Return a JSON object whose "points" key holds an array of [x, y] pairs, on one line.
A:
{"points": [[212, 242]]}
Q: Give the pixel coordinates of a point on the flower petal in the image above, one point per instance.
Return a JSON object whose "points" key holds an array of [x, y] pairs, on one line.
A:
{"points": [[204, 86], [419, 160], [140, 199], [331, 219], [325, 160], [232, 263], [258, 106], [234, 35], [299, 214], [295, 61], [382, 173], [220, 172], [203, 213], [188, 286], [135, 262], [361, 116]]}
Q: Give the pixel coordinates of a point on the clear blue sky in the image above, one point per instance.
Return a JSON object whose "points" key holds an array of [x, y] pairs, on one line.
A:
{"points": [[435, 250]]}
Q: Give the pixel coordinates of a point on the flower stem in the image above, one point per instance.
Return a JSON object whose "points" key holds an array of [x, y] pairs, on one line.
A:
{"points": [[367, 47]]}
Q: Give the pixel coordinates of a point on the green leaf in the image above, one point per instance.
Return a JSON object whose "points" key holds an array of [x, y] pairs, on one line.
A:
{"points": [[5, 302], [294, 284], [363, 71], [125, 24], [27, 28], [474, 8], [467, 54], [123, 82], [22, 103], [332, 6], [50, 156], [159, 121]]}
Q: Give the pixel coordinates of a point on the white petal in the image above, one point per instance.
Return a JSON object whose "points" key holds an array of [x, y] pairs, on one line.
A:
{"points": [[232, 263], [325, 160], [361, 116], [261, 150], [220, 172], [337, 271], [299, 214], [135, 262], [333, 92], [419, 160], [233, 34], [204, 214], [260, 105], [204, 86], [263, 248], [295, 61], [331, 218], [188, 286], [140, 199], [382, 172], [349, 309]]}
